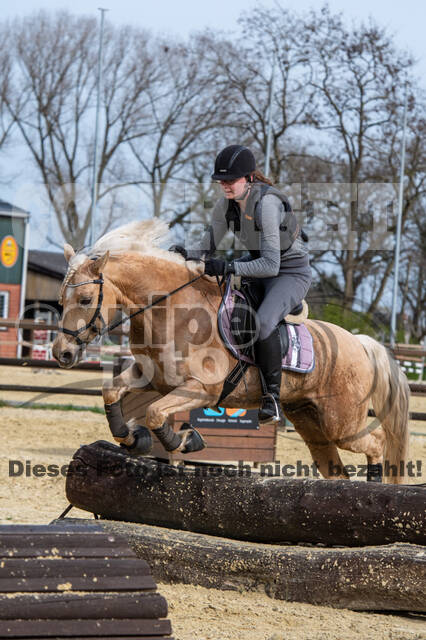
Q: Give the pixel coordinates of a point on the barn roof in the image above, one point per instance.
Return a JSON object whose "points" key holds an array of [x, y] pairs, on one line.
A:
{"points": [[11, 209], [50, 263]]}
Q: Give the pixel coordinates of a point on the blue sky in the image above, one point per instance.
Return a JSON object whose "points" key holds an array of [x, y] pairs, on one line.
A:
{"points": [[406, 19]]}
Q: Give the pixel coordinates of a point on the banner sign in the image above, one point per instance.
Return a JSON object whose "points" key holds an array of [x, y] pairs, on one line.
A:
{"points": [[9, 251], [12, 239], [224, 418]]}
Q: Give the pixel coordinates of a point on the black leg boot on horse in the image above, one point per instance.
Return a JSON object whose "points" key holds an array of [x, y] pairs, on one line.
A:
{"points": [[268, 354]]}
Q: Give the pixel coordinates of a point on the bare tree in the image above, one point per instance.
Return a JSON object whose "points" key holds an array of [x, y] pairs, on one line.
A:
{"points": [[269, 37], [7, 121], [388, 168], [359, 78], [187, 103], [53, 100]]}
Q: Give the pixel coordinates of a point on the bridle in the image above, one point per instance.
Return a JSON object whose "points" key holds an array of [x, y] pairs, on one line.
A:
{"points": [[75, 333], [105, 328]]}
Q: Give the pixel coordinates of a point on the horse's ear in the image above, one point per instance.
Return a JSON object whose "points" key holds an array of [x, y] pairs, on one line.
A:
{"points": [[97, 265], [68, 252]]}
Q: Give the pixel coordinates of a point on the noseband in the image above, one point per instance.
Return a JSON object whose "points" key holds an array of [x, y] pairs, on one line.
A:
{"points": [[97, 313]]}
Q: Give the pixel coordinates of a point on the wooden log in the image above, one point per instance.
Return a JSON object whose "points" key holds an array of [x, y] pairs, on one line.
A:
{"points": [[81, 541], [68, 606], [418, 388], [103, 480], [71, 391], [390, 577], [66, 568], [77, 628], [417, 415], [77, 583], [88, 574], [52, 364]]}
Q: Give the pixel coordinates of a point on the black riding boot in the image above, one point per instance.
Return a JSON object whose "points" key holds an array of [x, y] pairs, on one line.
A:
{"points": [[268, 355]]}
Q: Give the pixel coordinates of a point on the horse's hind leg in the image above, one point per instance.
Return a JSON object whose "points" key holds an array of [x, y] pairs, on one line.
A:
{"points": [[328, 461], [344, 425], [324, 453], [371, 442]]}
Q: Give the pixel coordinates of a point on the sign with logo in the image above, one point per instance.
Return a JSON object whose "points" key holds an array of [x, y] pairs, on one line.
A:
{"points": [[9, 251], [224, 418], [12, 243]]}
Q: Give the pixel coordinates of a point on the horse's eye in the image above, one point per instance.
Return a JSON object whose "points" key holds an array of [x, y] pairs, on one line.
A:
{"points": [[85, 301]]}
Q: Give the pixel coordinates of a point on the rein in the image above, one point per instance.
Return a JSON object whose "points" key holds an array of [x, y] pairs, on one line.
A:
{"points": [[97, 313]]}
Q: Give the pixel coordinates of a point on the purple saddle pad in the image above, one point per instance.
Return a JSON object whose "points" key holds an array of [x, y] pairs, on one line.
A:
{"points": [[300, 356]]}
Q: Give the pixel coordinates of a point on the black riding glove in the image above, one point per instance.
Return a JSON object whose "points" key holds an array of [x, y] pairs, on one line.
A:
{"points": [[218, 267], [177, 248]]}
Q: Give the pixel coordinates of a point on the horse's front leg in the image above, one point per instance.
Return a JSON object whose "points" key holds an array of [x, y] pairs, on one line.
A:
{"points": [[190, 395], [136, 440]]}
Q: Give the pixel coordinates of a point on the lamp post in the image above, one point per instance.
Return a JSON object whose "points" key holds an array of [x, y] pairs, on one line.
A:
{"points": [[269, 128], [398, 225], [95, 150]]}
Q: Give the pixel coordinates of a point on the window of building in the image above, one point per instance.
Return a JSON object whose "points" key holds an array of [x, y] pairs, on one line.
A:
{"points": [[4, 306]]}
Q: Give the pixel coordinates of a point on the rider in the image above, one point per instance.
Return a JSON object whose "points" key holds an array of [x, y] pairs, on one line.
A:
{"points": [[261, 217]]}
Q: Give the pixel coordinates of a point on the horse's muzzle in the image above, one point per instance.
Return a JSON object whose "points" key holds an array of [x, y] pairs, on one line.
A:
{"points": [[66, 353]]}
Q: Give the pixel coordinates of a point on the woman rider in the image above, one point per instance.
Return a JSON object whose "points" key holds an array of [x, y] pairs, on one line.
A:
{"points": [[261, 217]]}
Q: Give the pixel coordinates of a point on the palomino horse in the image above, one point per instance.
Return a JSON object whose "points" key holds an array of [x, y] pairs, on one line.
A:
{"points": [[179, 353]]}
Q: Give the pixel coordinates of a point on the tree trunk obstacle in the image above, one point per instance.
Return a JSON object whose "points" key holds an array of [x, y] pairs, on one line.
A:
{"points": [[105, 481], [387, 578]]}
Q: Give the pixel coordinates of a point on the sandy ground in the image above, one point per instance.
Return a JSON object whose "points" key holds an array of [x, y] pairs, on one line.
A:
{"points": [[31, 437]]}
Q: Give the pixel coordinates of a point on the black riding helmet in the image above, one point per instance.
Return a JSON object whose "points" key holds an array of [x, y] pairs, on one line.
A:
{"points": [[234, 162]]}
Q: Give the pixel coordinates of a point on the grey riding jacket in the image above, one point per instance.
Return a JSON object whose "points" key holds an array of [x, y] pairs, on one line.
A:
{"points": [[267, 228]]}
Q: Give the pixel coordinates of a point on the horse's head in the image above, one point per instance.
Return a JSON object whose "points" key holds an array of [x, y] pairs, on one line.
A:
{"points": [[85, 306]]}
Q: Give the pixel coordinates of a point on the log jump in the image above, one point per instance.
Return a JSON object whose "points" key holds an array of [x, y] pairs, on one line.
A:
{"points": [[183, 525], [387, 578], [105, 481]]}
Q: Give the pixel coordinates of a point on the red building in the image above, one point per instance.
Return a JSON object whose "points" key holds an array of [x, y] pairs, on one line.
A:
{"points": [[13, 268]]}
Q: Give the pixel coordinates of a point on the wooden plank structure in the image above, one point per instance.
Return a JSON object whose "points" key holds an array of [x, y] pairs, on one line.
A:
{"points": [[242, 505], [250, 445], [76, 581]]}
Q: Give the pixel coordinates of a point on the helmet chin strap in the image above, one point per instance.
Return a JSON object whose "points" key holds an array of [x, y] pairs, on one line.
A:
{"points": [[245, 193]]}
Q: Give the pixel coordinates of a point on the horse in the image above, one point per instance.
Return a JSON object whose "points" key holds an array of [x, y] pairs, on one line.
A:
{"points": [[180, 359]]}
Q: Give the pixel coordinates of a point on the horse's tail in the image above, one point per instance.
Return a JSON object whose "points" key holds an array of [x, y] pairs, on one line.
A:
{"points": [[390, 397]]}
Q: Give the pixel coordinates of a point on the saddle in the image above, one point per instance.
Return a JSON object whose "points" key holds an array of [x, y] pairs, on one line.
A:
{"points": [[238, 329]]}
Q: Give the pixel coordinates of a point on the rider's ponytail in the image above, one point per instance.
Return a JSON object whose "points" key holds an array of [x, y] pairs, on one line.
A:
{"points": [[259, 177]]}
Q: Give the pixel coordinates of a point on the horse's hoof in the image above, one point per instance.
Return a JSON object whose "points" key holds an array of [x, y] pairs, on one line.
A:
{"points": [[192, 440], [374, 472], [143, 442]]}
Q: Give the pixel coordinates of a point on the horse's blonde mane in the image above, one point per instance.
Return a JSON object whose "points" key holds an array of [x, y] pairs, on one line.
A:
{"points": [[141, 237], [73, 265]]}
